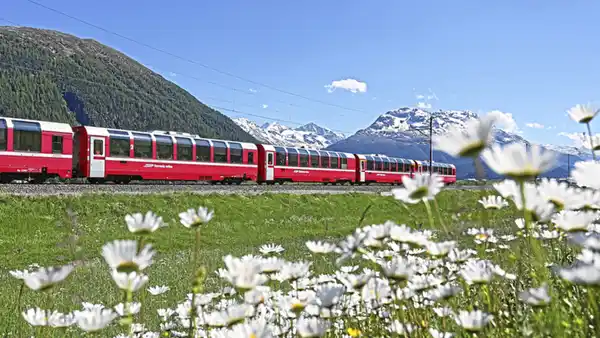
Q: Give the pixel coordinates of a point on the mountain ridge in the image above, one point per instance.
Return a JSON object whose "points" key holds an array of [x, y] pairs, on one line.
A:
{"points": [[53, 76], [309, 135]]}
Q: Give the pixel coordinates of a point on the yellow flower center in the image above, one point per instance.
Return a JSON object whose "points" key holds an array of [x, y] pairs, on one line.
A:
{"points": [[354, 332], [252, 335]]}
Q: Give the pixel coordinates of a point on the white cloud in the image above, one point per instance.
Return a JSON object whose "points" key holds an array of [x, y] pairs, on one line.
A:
{"points": [[171, 74], [420, 97], [351, 85], [423, 105], [579, 139], [506, 122], [265, 106], [252, 90], [535, 125]]}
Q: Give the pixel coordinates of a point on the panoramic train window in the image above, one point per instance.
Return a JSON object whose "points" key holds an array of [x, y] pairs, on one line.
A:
{"points": [[370, 163], [324, 159], [142, 145], [3, 135], [220, 149], [378, 163], [314, 158], [202, 150], [292, 157], [235, 153], [118, 143], [184, 149], [303, 157], [386, 164], [344, 161], [27, 136], [334, 160], [164, 147], [280, 156], [57, 144]]}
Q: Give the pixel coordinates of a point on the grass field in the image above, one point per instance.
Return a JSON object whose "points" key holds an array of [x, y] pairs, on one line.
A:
{"points": [[57, 230]]}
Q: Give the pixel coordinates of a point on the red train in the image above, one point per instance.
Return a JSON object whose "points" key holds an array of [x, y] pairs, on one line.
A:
{"points": [[38, 150]]}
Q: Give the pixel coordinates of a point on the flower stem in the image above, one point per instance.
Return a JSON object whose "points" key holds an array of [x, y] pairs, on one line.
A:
{"points": [[437, 209], [429, 214], [589, 128], [193, 311]]}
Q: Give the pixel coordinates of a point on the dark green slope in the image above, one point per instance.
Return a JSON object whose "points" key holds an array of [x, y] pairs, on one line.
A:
{"points": [[52, 76]]}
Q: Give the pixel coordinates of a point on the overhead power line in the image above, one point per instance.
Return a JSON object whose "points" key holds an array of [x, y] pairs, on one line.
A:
{"points": [[154, 96], [193, 61]]}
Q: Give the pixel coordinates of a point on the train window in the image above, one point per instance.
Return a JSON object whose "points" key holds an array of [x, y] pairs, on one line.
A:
{"points": [[27, 136], [119, 146], [378, 163], [3, 135], [386, 164], [184, 149], [220, 149], [164, 147], [324, 159], [57, 144], [235, 153], [270, 159], [303, 158], [344, 161], [280, 156], [98, 147], [314, 158], [370, 163], [334, 160], [142, 145], [202, 150], [250, 157], [292, 157]]}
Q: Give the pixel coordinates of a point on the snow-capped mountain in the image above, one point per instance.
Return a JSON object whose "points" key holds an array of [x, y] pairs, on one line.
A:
{"points": [[309, 135], [404, 133]]}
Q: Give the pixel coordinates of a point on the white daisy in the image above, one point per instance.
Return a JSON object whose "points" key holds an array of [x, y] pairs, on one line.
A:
{"points": [[131, 308], [536, 296], [94, 320], [320, 247], [468, 141], [493, 202], [584, 274], [419, 188], [35, 317], [473, 321], [140, 224], [569, 220], [158, 290], [193, 218], [558, 193], [583, 113], [269, 249], [123, 255], [516, 161], [401, 329], [132, 281], [585, 174], [57, 319], [45, 278], [312, 327]]}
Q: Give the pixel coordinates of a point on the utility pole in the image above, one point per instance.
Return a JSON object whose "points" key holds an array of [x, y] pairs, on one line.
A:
{"points": [[430, 144]]}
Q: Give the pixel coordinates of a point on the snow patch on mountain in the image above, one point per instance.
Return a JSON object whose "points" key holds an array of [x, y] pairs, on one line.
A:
{"points": [[309, 135]]}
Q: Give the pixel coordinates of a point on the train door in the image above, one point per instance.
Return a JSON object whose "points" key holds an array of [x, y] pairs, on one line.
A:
{"points": [[97, 157], [270, 166], [363, 165]]}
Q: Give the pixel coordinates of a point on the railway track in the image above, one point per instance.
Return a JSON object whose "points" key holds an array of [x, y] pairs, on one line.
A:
{"points": [[199, 188]]}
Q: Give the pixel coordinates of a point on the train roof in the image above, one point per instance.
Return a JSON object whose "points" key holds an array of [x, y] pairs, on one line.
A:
{"points": [[438, 164], [321, 151], [114, 131], [44, 125]]}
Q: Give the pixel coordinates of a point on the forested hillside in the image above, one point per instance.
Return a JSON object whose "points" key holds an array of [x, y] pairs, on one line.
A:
{"points": [[48, 75]]}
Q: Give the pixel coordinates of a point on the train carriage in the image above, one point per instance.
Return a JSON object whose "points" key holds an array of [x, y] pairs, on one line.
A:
{"points": [[289, 164], [34, 150], [383, 169], [121, 156], [445, 170]]}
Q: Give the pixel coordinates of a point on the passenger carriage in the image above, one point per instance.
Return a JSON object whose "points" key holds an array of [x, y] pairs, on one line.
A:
{"points": [[34, 150], [103, 154], [289, 164], [445, 170], [383, 169]]}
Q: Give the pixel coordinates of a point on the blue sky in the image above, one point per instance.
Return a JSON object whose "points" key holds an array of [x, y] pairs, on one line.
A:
{"points": [[531, 59]]}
